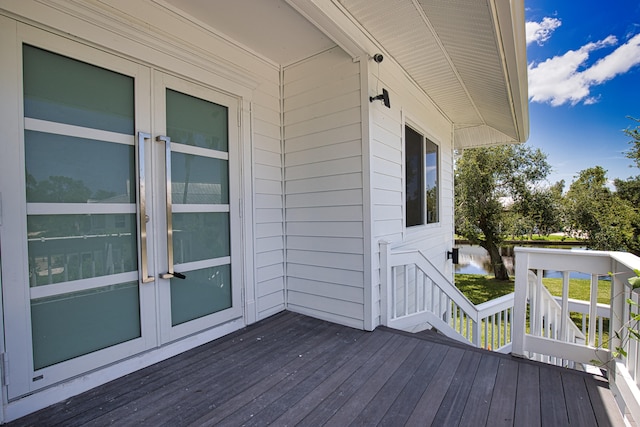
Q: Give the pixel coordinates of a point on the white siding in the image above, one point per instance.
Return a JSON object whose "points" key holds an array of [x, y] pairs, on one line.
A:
{"points": [[268, 198], [408, 106], [324, 188]]}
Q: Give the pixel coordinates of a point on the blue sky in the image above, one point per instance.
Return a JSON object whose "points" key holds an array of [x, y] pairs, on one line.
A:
{"points": [[584, 80]]}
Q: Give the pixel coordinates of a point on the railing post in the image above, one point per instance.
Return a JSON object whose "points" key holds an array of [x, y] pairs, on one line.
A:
{"points": [[518, 327], [617, 316], [385, 282]]}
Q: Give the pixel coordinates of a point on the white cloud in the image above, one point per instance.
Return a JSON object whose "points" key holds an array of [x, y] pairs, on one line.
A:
{"points": [[540, 32], [562, 79]]}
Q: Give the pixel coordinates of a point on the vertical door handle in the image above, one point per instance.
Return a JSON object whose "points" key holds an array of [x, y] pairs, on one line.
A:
{"points": [[167, 159], [142, 196]]}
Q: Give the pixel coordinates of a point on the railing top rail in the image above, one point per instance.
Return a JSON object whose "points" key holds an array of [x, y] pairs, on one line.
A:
{"points": [[586, 261], [495, 305]]}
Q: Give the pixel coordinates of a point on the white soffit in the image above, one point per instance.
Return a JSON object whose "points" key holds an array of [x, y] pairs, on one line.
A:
{"points": [[270, 28], [453, 49]]}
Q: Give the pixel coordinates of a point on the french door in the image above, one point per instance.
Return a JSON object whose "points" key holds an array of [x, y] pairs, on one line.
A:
{"points": [[126, 213]]}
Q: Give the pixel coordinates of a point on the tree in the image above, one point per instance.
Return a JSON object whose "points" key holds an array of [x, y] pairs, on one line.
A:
{"points": [[597, 213], [634, 151], [486, 179], [541, 210]]}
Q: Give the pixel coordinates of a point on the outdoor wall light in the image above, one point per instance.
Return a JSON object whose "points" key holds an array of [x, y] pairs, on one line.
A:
{"points": [[384, 96], [454, 255]]}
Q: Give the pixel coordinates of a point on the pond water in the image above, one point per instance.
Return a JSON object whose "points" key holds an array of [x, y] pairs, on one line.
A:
{"points": [[475, 260]]}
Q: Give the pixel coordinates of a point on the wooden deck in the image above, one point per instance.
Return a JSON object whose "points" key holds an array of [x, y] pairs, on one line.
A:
{"points": [[295, 370]]}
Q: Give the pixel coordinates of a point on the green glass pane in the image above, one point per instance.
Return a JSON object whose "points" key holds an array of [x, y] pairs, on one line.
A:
{"points": [[64, 169], [203, 292], [73, 324], [61, 89], [72, 247], [199, 180], [200, 236], [194, 121]]}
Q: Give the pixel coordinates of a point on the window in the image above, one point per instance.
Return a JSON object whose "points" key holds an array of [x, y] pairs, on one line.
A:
{"points": [[421, 179]]}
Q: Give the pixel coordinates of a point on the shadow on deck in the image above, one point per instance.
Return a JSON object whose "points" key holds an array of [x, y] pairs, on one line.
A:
{"points": [[295, 370]]}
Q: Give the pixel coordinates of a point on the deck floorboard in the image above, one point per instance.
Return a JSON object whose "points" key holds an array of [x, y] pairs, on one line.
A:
{"points": [[291, 369]]}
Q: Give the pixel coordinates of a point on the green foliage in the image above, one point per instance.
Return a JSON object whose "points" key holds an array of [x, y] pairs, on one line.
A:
{"points": [[485, 180], [634, 151], [600, 215]]}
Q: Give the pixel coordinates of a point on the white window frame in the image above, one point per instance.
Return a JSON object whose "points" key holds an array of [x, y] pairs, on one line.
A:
{"points": [[424, 223]]}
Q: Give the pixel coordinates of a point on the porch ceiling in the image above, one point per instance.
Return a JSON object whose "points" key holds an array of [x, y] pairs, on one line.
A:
{"points": [[468, 56]]}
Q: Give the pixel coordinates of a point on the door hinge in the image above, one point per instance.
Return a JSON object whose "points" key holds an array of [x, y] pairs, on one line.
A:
{"points": [[5, 368], [240, 208], [240, 117]]}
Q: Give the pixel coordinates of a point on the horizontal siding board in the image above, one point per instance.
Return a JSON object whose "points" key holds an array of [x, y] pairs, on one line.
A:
{"points": [[267, 186], [267, 143], [382, 212], [268, 91], [352, 262], [317, 85], [326, 198], [328, 168], [391, 154], [325, 229], [261, 127], [323, 105], [326, 244], [327, 305], [324, 153], [267, 158], [387, 182], [264, 215], [270, 201], [387, 228], [268, 287], [334, 135], [270, 272], [270, 304], [272, 173], [269, 244], [269, 230], [387, 197], [265, 259], [325, 183], [324, 289], [320, 124], [326, 274], [391, 138], [267, 114], [338, 213], [387, 167]]}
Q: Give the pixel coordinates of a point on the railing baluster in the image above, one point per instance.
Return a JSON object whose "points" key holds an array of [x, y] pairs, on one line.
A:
{"points": [[406, 290], [565, 305], [593, 311], [394, 292]]}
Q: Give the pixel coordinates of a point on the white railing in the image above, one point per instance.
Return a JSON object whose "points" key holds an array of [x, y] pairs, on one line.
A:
{"points": [[582, 309], [415, 293], [548, 319], [624, 370]]}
